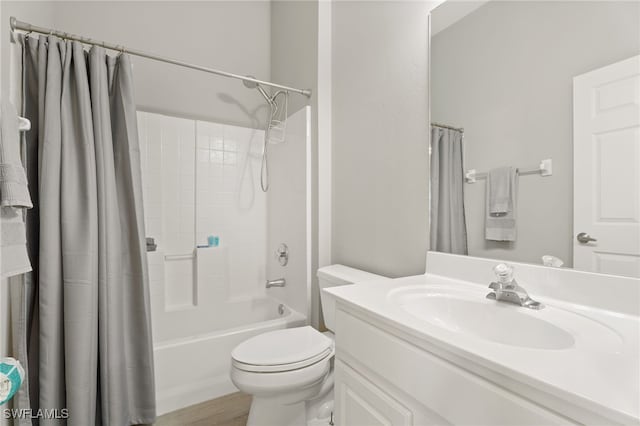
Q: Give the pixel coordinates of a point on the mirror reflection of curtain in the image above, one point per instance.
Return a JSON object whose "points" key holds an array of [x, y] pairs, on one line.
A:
{"points": [[448, 225]]}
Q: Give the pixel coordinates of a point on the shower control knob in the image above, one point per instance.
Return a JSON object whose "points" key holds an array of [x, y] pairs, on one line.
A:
{"points": [[282, 254], [584, 238]]}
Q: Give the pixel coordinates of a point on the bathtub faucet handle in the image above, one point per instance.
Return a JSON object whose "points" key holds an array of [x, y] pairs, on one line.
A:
{"points": [[280, 282], [282, 254]]}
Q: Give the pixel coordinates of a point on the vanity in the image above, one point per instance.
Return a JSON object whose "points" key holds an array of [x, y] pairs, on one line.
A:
{"points": [[433, 349]]}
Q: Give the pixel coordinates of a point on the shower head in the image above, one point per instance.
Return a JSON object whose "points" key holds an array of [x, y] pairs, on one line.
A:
{"points": [[253, 85], [275, 127], [250, 84]]}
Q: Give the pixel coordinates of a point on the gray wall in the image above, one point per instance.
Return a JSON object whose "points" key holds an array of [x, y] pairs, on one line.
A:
{"points": [[504, 73], [228, 35], [36, 12], [380, 135], [294, 47], [294, 62]]}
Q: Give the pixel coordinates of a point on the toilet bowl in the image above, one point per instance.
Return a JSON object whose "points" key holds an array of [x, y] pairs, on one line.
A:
{"points": [[283, 370], [289, 372]]}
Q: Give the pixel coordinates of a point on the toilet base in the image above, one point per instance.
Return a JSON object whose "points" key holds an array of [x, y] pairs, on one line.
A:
{"points": [[311, 413], [266, 412], [319, 412], [319, 409], [277, 411], [305, 403]]}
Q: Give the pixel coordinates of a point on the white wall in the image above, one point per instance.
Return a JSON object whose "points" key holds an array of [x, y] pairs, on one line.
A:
{"points": [[324, 133], [294, 61], [228, 35], [380, 135], [287, 212], [504, 73]]}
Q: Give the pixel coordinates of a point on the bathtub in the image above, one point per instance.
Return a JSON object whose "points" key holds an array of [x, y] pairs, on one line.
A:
{"points": [[195, 369]]}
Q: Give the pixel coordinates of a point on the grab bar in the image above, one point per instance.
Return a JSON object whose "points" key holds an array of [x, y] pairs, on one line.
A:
{"points": [[179, 256]]}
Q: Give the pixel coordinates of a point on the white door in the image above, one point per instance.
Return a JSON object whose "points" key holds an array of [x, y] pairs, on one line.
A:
{"points": [[606, 169]]}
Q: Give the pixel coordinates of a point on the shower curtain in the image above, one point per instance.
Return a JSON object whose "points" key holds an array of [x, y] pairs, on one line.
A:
{"points": [[84, 327], [448, 227]]}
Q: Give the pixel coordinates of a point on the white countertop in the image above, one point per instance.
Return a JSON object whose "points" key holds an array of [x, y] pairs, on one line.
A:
{"points": [[604, 378]]}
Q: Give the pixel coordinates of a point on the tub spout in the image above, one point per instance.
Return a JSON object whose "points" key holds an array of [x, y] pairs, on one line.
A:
{"points": [[280, 282]]}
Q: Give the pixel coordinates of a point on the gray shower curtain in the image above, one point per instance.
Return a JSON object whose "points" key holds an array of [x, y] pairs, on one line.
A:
{"points": [[448, 227], [85, 320]]}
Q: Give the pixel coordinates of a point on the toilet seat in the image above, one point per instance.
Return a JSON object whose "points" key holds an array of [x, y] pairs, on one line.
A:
{"points": [[280, 368], [282, 350]]}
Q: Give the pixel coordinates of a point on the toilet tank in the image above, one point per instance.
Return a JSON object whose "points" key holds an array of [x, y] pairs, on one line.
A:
{"points": [[335, 275]]}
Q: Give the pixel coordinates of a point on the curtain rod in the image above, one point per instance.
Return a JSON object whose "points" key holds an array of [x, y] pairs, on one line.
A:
{"points": [[444, 126], [23, 26]]}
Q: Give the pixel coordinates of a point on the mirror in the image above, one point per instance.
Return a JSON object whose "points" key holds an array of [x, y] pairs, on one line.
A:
{"points": [[514, 83]]}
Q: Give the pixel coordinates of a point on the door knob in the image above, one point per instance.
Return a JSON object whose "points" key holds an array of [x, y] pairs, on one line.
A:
{"points": [[584, 238]]}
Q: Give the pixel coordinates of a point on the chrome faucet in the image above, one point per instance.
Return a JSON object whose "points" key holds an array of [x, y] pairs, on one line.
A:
{"points": [[506, 289], [280, 282]]}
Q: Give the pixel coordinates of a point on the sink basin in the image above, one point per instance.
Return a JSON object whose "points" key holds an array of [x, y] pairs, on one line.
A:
{"points": [[490, 322], [470, 313]]}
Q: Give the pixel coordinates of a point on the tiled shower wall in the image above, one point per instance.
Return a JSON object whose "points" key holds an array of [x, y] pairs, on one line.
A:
{"points": [[201, 179], [230, 203], [168, 170]]}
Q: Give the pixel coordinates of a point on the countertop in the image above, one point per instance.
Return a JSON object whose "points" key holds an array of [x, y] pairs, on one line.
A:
{"points": [[602, 377]]}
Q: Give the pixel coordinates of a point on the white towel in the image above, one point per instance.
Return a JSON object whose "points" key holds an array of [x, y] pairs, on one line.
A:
{"points": [[14, 257], [14, 195], [501, 200], [13, 179], [499, 182]]}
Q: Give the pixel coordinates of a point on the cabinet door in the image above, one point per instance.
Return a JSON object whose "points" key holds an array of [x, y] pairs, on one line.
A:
{"points": [[361, 403]]}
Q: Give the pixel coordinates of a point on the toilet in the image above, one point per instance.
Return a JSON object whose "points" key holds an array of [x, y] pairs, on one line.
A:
{"points": [[289, 372]]}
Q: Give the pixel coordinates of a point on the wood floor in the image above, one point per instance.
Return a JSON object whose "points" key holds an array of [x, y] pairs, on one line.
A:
{"points": [[229, 410]]}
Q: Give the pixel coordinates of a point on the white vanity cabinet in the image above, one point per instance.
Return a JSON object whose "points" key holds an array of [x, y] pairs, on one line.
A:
{"points": [[433, 349], [362, 402], [383, 379]]}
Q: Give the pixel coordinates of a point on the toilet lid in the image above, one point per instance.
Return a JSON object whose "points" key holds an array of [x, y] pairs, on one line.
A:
{"points": [[282, 350]]}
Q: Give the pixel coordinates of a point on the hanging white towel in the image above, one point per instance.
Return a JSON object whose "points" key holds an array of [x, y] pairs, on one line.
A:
{"points": [[499, 183], [13, 179], [501, 201], [14, 195], [15, 259]]}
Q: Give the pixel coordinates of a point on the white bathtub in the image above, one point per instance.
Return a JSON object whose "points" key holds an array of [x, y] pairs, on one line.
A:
{"points": [[196, 368]]}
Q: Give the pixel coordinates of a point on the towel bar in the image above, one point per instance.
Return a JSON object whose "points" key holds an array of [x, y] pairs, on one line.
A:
{"points": [[545, 168], [185, 256]]}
